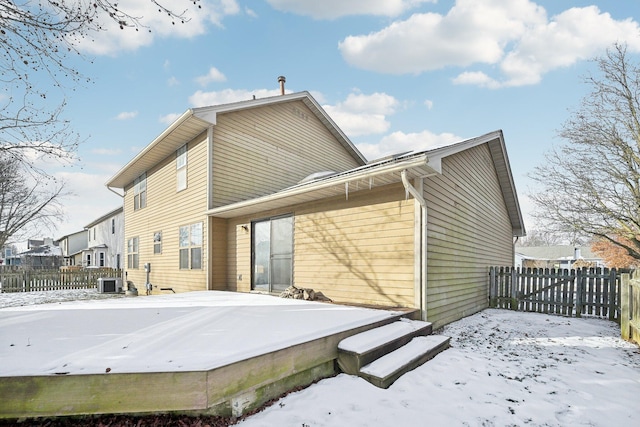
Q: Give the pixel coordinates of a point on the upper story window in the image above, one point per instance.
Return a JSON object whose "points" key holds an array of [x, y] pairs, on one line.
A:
{"points": [[140, 192], [113, 226], [181, 168]]}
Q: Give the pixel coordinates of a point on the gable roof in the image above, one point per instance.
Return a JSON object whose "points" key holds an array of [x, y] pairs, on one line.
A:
{"points": [[104, 217], [386, 171], [195, 121]]}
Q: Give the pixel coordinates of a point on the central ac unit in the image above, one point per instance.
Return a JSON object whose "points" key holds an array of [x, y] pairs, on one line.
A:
{"points": [[109, 285]]}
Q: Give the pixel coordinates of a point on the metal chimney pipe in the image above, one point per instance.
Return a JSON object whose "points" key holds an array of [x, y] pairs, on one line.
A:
{"points": [[281, 80]]}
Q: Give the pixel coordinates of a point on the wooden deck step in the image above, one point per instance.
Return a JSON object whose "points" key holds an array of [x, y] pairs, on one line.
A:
{"points": [[361, 349], [385, 370]]}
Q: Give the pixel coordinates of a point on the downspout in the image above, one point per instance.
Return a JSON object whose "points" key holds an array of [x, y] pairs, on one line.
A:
{"points": [[115, 192], [423, 241]]}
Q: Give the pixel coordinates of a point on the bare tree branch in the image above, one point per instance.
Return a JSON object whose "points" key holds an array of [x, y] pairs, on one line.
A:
{"points": [[23, 205], [591, 185], [37, 40]]}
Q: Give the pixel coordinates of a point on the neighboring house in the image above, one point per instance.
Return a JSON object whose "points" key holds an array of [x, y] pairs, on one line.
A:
{"points": [[105, 241], [100, 244], [72, 246], [561, 256], [7, 254], [219, 201], [40, 254]]}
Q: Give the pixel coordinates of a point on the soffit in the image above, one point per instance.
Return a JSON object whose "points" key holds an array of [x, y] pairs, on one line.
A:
{"points": [[183, 130]]}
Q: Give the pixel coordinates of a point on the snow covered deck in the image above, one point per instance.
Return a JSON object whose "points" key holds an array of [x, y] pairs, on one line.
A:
{"points": [[219, 352]]}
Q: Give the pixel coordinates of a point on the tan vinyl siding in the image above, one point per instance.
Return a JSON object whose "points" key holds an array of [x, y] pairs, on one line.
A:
{"points": [[358, 250], [284, 142], [469, 230], [239, 256], [167, 210], [218, 249]]}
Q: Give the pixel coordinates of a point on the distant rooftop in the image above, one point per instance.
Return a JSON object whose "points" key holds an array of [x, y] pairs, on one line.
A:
{"points": [[556, 252]]}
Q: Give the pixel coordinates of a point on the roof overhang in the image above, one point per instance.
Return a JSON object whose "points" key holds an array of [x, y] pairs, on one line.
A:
{"points": [[362, 178], [183, 130]]}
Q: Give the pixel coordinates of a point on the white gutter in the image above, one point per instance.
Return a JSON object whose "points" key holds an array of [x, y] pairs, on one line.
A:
{"points": [[421, 255], [115, 192]]}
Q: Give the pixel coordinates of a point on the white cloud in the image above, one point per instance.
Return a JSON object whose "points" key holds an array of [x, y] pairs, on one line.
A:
{"points": [[173, 81], [114, 39], [226, 96], [167, 119], [398, 142], [516, 36], [575, 34], [362, 114], [331, 9], [428, 103], [250, 12], [358, 114], [214, 75], [127, 115], [477, 78]]}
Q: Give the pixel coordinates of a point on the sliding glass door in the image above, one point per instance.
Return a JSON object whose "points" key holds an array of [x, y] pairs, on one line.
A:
{"points": [[272, 254]]}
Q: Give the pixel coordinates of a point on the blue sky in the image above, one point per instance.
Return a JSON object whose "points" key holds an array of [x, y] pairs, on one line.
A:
{"points": [[395, 75]]}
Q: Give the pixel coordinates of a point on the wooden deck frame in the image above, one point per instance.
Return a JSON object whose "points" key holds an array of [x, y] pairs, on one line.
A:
{"points": [[230, 390]]}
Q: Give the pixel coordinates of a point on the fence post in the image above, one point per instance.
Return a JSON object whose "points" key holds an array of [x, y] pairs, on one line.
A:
{"points": [[579, 291], [625, 327], [514, 289], [492, 285], [613, 277]]}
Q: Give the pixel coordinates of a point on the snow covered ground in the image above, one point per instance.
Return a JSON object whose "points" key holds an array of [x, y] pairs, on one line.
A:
{"points": [[504, 368]]}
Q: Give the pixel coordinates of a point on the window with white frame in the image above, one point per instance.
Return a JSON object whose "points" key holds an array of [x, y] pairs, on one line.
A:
{"points": [[101, 259], [157, 242], [132, 252], [113, 226], [181, 168], [140, 192], [190, 242]]}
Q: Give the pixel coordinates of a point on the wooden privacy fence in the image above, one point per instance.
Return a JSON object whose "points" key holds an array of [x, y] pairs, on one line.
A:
{"points": [[592, 292], [52, 280], [630, 309]]}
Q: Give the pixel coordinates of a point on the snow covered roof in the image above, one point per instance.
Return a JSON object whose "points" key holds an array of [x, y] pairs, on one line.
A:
{"points": [[43, 251], [558, 252]]}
